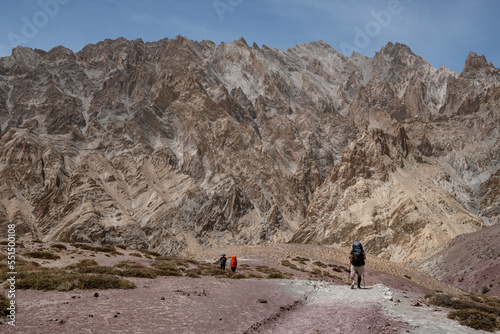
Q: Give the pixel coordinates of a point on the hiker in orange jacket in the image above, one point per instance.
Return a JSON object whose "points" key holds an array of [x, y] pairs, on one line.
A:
{"points": [[234, 263]]}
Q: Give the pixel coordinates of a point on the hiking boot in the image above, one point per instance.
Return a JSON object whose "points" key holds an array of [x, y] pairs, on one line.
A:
{"points": [[352, 285], [359, 287]]}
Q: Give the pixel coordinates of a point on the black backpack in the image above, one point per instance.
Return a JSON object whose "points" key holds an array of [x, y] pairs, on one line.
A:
{"points": [[357, 254], [223, 260]]}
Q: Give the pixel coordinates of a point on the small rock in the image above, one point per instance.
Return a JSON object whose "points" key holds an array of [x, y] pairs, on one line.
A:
{"points": [[62, 322], [91, 315], [96, 294], [263, 301], [115, 316], [162, 298], [220, 319], [74, 297]]}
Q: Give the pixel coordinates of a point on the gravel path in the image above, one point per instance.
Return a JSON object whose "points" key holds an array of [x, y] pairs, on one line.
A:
{"points": [[376, 309]]}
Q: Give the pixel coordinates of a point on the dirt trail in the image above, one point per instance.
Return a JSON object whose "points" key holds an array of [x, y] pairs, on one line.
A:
{"points": [[375, 309], [220, 305]]}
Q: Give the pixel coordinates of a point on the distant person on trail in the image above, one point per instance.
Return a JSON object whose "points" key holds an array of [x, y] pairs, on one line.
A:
{"points": [[223, 260], [357, 258], [234, 263]]}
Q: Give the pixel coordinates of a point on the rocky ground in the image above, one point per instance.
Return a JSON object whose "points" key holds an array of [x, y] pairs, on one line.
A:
{"points": [[390, 301]]}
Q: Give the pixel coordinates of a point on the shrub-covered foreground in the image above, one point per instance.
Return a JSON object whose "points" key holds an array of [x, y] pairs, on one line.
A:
{"points": [[4, 304], [65, 280], [478, 312], [42, 255], [88, 274]]}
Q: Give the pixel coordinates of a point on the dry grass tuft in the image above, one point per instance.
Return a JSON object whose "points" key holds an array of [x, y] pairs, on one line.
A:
{"points": [[279, 275], [4, 304], [338, 269], [301, 260], [476, 319], [473, 311], [135, 254], [42, 255], [59, 246], [287, 263], [64, 280], [320, 264]]}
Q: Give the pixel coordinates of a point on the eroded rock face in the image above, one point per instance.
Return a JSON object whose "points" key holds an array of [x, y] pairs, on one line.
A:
{"points": [[382, 193], [178, 145]]}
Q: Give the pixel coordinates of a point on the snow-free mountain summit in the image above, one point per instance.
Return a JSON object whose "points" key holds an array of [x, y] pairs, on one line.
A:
{"points": [[179, 145]]}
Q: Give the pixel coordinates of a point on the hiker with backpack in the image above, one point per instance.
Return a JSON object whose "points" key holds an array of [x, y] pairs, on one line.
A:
{"points": [[223, 261], [357, 259], [234, 263]]}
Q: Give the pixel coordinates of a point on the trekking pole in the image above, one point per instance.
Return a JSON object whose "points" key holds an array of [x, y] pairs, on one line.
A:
{"points": [[364, 286], [348, 274]]}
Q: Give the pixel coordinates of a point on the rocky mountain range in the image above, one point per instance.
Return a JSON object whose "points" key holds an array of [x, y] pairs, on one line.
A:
{"points": [[179, 145]]}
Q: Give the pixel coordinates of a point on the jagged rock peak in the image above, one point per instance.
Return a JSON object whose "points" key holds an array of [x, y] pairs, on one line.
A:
{"points": [[241, 41], [474, 63], [25, 56], [60, 52], [395, 49], [317, 44]]}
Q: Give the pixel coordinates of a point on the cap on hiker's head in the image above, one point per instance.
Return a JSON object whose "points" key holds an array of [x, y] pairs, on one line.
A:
{"points": [[223, 254]]}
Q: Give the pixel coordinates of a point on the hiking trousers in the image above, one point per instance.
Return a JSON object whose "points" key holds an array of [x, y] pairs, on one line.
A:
{"points": [[356, 270]]}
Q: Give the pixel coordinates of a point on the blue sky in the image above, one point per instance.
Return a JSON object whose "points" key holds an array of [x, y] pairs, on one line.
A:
{"points": [[442, 32]]}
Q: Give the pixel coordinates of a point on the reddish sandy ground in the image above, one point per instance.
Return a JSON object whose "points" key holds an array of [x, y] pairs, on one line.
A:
{"points": [[221, 305]]}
